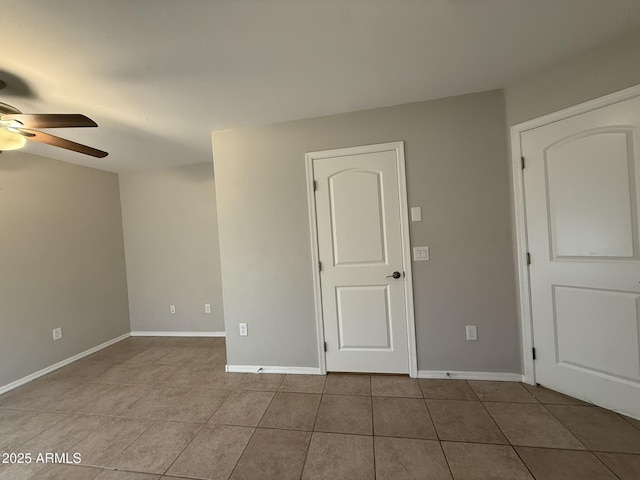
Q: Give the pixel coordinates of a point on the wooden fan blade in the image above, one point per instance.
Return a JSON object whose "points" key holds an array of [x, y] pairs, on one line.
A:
{"points": [[51, 120], [41, 137]]}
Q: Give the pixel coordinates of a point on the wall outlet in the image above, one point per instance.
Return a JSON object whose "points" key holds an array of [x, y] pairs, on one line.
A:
{"points": [[57, 334], [207, 308], [420, 254], [243, 330], [472, 332], [172, 308]]}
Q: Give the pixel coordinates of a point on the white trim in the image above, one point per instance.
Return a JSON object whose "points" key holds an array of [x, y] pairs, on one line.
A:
{"points": [[259, 369], [398, 147], [494, 376], [520, 213], [315, 262], [177, 334], [61, 364]]}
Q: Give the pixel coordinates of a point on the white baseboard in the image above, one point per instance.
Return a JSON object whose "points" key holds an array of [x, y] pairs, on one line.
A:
{"points": [[177, 334], [259, 369], [495, 376], [56, 366]]}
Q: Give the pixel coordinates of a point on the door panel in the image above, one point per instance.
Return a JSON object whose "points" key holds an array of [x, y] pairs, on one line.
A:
{"points": [[583, 223], [359, 227], [361, 241], [364, 322], [580, 183]]}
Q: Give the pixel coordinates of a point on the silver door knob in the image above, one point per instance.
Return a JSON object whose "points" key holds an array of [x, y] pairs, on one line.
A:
{"points": [[395, 275]]}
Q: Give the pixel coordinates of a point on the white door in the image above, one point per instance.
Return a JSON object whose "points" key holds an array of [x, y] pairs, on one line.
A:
{"points": [[360, 246], [581, 192]]}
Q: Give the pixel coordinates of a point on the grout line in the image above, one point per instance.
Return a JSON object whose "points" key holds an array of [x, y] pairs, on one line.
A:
{"points": [[183, 450], [252, 435], [313, 429], [373, 438]]}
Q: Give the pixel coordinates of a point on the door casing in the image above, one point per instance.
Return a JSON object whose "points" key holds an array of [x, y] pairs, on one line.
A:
{"points": [[524, 286], [398, 148]]}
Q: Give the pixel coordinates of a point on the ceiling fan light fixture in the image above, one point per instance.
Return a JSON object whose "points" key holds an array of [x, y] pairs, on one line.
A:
{"points": [[10, 140]]}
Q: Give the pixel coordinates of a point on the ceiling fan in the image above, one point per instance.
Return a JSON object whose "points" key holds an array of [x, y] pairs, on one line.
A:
{"points": [[16, 128]]}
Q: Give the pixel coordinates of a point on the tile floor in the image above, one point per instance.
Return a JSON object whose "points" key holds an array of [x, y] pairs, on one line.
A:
{"points": [[152, 408]]}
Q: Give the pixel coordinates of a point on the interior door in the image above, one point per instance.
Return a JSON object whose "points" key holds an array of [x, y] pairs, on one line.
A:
{"points": [[360, 247], [581, 193]]}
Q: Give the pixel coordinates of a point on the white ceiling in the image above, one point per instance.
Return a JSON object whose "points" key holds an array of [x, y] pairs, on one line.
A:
{"points": [[160, 75]]}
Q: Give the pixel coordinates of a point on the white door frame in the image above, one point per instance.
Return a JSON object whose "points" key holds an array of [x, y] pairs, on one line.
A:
{"points": [[398, 148], [524, 286]]}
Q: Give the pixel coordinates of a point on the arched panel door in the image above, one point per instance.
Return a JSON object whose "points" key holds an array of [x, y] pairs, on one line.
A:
{"points": [[581, 192], [360, 246]]}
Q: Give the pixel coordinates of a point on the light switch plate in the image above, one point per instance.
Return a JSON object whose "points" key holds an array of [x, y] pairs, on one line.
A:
{"points": [[416, 214], [57, 334], [420, 254], [243, 330], [207, 308]]}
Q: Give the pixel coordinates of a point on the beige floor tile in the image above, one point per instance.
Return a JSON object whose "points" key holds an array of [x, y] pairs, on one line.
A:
{"points": [[501, 392], [339, 457], [18, 426], [303, 383], [245, 408], [19, 471], [63, 435], [346, 384], [36, 395], [345, 414], [117, 353], [120, 475], [632, 421], [81, 371], [192, 405], [151, 354], [138, 373], [273, 455], [157, 448], [550, 464], [599, 429], [186, 376], [464, 421], [445, 389], [292, 411], [73, 400], [627, 467], [532, 426], [546, 396], [402, 417], [191, 355], [395, 386], [213, 453], [474, 461], [266, 382], [68, 472], [109, 440], [118, 401], [409, 459], [225, 381]]}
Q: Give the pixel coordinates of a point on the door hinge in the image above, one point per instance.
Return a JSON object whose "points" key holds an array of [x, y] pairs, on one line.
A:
{"points": [[528, 258], [315, 185], [522, 162], [319, 266], [325, 346], [533, 352]]}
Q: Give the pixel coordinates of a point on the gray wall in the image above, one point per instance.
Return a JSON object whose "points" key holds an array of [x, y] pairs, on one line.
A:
{"points": [[61, 262], [456, 155], [608, 68], [171, 242]]}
